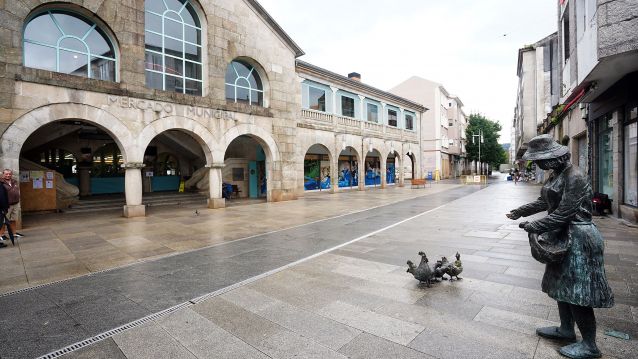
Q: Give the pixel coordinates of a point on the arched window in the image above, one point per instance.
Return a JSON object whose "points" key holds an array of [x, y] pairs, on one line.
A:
{"points": [[173, 37], [62, 41], [243, 84]]}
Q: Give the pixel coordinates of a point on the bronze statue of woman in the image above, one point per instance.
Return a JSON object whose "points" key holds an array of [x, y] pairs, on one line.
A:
{"points": [[576, 280]]}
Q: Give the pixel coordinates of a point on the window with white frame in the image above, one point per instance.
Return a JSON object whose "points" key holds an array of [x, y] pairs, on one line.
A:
{"points": [[244, 85], [347, 106], [409, 121], [392, 118], [173, 42], [316, 99], [372, 113], [62, 41]]}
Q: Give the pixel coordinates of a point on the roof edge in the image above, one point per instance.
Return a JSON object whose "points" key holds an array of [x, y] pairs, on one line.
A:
{"points": [[313, 69], [256, 6]]}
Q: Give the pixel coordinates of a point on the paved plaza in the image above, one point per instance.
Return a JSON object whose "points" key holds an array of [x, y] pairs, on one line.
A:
{"points": [[322, 277]]}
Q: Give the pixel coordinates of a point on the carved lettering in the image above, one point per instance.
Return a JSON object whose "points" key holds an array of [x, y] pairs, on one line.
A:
{"points": [[190, 111]]}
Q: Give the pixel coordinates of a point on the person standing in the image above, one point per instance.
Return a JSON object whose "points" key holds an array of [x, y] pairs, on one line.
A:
{"points": [[4, 207], [12, 188]]}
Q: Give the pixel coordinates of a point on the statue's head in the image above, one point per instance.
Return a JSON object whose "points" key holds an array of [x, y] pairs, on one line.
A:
{"points": [[410, 266], [547, 153], [458, 256]]}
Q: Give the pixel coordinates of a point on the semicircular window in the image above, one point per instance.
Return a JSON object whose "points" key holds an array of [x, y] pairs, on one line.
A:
{"points": [[243, 84], [61, 41], [173, 41]]}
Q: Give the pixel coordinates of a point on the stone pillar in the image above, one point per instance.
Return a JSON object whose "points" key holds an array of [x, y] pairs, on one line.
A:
{"points": [[398, 161], [334, 174], [361, 108], [215, 198], [84, 176], [384, 171], [133, 190], [362, 167]]}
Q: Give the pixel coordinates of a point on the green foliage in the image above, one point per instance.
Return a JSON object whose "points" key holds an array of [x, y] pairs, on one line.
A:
{"points": [[491, 151]]}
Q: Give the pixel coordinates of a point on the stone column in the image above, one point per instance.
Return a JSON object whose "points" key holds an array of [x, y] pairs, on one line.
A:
{"points": [[384, 171], [133, 190], [215, 179], [398, 161], [362, 167], [334, 172], [84, 176]]}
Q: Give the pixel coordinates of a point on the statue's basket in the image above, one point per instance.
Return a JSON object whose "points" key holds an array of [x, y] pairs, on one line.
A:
{"points": [[546, 252]]}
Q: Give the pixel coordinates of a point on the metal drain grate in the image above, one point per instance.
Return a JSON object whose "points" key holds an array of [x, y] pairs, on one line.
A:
{"points": [[86, 342]]}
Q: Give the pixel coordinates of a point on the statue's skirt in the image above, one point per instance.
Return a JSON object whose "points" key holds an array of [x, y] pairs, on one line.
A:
{"points": [[580, 278]]}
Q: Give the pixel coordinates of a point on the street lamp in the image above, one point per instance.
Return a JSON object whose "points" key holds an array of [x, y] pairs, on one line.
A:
{"points": [[480, 136]]}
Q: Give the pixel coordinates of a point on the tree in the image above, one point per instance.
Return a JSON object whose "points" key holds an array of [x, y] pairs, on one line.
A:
{"points": [[491, 151]]}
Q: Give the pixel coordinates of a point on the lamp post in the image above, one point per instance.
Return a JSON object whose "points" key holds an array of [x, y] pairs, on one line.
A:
{"points": [[480, 136]]}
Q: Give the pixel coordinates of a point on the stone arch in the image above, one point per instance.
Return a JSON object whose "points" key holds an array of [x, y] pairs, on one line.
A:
{"points": [[17, 133], [263, 137], [307, 147], [198, 131]]}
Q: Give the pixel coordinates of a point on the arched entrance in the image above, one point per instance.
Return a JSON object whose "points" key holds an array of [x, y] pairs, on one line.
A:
{"points": [[317, 161], [348, 168], [171, 159], [373, 168], [392, 166], [66, 165], [246, 171], [409, 166]]}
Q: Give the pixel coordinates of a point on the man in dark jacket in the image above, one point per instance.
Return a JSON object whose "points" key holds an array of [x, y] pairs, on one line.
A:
{"points": [[4, 207], [12, 188]]}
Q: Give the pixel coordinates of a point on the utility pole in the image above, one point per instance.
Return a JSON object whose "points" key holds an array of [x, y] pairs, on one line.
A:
{"points": [[480, 136]]}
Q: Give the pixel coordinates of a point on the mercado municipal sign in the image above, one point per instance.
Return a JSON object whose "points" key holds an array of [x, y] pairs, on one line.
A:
{"points": [[168, 108]]}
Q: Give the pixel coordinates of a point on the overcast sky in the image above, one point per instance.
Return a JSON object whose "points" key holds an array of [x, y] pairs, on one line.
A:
{"points": [[469, 46]]}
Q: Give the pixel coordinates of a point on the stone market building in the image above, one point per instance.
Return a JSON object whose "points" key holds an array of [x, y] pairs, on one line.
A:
{"points": [[133, 97]]}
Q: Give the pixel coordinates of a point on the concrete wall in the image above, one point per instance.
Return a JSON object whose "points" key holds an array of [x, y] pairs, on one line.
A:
{"points": [[617, 27]]}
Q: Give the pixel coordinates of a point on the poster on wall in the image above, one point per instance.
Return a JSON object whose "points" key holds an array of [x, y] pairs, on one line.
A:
{"points": [[348, 172], [316, 173], [37, 175], [37, 183], [24, 176], [49, 175], [373, 171], [49, 184]]}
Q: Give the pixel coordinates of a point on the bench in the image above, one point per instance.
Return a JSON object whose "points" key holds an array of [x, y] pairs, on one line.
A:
{"points": [[416, 182]]}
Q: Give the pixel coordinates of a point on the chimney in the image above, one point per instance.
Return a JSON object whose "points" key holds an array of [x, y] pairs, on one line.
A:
{"points": [[355, 76]]}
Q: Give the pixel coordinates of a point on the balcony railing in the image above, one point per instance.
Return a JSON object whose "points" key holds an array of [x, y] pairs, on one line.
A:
{"points": [[357, 126], [316, 115]]}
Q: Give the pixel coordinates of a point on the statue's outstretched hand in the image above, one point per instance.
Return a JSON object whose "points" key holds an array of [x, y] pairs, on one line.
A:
{"points": [[523, 224], [513, 215]]}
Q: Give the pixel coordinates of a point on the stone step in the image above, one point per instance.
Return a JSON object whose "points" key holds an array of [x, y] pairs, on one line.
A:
{"points": [[95, 205]]}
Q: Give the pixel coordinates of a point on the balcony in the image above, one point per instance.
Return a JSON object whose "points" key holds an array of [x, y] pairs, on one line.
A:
{"points": [[327, 121]]}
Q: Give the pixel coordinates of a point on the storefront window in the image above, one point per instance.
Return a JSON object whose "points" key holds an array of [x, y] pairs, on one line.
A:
{"points": [[173, 41], [630, 167], [64, 42], [605, 156]]}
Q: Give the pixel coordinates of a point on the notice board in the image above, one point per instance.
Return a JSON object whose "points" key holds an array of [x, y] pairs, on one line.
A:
{"points": [[38, 191]]}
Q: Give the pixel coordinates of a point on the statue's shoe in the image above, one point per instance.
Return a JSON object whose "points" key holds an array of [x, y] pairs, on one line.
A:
{"points": [[579, 351], [555, 333]]}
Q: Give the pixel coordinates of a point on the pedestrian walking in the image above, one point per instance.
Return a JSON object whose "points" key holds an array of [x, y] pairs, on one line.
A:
{"points": [[12, 188]]}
